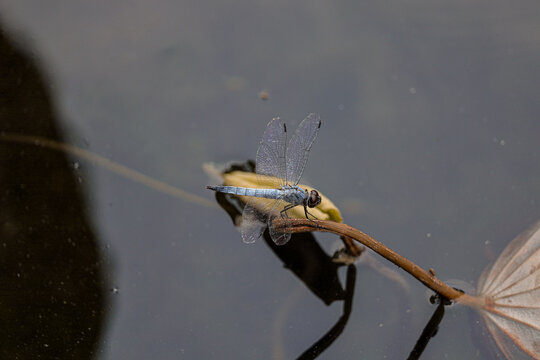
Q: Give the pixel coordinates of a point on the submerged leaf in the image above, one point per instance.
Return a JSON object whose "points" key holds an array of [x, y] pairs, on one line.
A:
{"points": [[509, 297], [326, 210]]}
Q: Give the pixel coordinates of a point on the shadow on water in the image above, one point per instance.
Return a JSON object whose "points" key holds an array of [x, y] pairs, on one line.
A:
{"points": [[53, 299]]}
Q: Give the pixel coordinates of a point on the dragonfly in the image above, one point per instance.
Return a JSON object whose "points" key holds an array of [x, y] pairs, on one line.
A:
{"points": [[282, 165]]}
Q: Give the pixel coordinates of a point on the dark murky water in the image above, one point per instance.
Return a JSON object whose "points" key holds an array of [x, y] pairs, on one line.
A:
{"points": [[429, 143]]}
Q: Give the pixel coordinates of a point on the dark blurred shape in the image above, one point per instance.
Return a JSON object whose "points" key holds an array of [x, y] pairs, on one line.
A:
{"points": [[52, 297], [302, 255]]}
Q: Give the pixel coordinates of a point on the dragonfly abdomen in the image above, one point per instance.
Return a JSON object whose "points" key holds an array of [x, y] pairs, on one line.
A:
{"points": [[242, 191]]}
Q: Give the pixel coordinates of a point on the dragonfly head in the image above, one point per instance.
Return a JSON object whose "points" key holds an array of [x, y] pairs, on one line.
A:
{"points": [[314, 199]]}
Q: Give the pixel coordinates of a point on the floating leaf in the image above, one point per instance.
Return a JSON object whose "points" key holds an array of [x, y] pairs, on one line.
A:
{"points": [[509, 297]]}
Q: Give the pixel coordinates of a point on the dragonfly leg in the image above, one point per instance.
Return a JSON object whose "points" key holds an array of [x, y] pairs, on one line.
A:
{"points": [[308, 214], [283, 213]]}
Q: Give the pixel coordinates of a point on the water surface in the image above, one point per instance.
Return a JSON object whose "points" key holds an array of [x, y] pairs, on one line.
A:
{"points": [[429, 143]]}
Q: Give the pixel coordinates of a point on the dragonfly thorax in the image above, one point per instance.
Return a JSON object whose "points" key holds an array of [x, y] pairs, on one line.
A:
{"points": [[298, 196], [294, 195]]}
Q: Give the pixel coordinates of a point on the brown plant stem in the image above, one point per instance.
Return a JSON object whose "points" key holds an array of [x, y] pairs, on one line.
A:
{"points": [[432, 282]]}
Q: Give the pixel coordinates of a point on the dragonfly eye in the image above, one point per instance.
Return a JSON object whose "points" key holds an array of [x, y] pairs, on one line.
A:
{"points": [[314, 199]]}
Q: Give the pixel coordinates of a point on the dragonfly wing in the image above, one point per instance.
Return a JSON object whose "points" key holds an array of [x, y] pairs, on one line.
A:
{"points": [[283, 236], [271, 154], [254, 219], [300, 145]]}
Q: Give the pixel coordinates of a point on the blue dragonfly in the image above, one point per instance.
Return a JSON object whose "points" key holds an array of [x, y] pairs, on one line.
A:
{"points": [[281, 166]]}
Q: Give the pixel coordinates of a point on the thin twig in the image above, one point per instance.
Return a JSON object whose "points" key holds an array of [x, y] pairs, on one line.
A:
{"points": [[304, 225], [114, 167]]}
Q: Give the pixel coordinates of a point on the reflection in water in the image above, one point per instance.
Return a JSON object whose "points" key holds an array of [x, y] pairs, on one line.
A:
{"points": [[310, 263], [430, 330], [52, 303], [303, 256], [336, 330]]}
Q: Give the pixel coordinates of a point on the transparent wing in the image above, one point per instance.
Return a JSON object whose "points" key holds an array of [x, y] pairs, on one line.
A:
{"points": [[255, 219], [271, 153], [299, 147], [279, 237]]}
